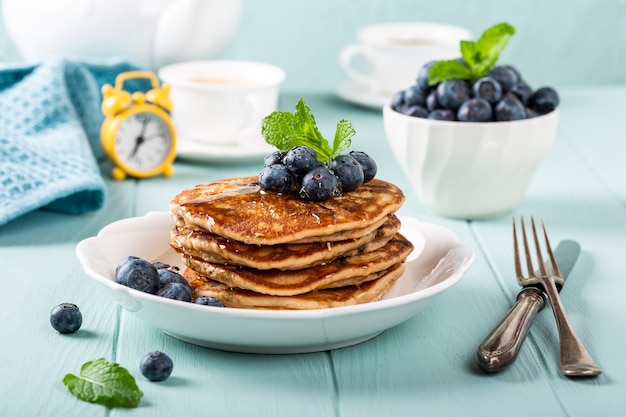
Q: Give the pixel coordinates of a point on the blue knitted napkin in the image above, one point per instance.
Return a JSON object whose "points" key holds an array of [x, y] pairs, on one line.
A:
{"points": [[49, 136]]}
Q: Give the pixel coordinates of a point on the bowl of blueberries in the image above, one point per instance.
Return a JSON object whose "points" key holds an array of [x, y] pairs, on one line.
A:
{"points": [[470, 134]]}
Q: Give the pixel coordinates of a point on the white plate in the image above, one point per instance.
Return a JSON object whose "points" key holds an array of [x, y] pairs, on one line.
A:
{"points": [[437, 263], [196, 151], [359, 93]]}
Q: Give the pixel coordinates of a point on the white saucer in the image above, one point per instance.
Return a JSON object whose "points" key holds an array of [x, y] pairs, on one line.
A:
{"points": [[248, 151], [359, 93]]}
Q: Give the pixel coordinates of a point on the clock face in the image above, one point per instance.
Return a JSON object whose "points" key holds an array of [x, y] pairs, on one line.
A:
{"points": [[143, 141]]}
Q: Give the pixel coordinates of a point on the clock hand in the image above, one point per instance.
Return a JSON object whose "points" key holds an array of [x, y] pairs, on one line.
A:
{"points": [[140, 139], [144, 125], [138, 142]]}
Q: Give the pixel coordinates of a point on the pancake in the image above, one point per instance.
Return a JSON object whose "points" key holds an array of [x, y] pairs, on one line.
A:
{"points": [[350, 295], [351, 270], [212, 248], [238, 209]]}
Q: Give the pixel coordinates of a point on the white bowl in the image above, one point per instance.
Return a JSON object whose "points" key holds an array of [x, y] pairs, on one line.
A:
{"points": [[469, 170]]}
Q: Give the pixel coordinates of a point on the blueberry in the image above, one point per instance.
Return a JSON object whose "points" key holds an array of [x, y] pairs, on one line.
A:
{"points": [[66, 318], [442, 114], [487, 88], [530, 113], [301, 159], [422, 75], [509, 108], [367, 164], [397, 100], [208, 301], [506, 75], [276, 178], [274, 158], [138, 274], [415, 111], [475, 110], [431, 101], [125, 261], [160, 265], [544, 100], [319, 184], [452, 93], [415, 95], [348, 171], [175, 291], [156, 366], [167, 275], [523, 91]]}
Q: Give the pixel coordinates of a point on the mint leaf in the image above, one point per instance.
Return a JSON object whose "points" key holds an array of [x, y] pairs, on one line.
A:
{"points": [[343, 136], [480, 56], [309, 134], [104, 383], [447, 70], [490, 45], [279, 130], [469, 53], [285, 130]]}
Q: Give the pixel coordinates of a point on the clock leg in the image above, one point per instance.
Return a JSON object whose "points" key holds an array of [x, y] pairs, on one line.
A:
{"points": [[168, 170], [118, 174]]}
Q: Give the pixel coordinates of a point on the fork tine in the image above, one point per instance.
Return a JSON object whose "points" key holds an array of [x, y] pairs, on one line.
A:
{"points": [[518, 262], [553, 263], [529, 260], [542, 268]]}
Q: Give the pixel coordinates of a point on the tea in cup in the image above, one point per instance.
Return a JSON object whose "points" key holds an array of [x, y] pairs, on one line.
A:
{"points": [[394, 52], [222, 102]]}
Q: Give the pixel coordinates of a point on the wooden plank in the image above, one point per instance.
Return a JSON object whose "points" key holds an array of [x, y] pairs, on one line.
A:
{"points": [[233, 384], [575, 193], [39, 271]]}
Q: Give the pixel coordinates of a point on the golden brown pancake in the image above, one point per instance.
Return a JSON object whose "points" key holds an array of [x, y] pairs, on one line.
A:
{"points": [[328, 298], [238, 209], [216, 249], [351, 270]]}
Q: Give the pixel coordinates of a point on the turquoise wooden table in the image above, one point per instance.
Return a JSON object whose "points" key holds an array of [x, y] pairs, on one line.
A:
{"points": [[423, 367]]}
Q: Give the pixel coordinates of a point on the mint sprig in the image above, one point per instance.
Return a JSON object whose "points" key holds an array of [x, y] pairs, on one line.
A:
{"points": [[105, 383], [480, 56], [284, 130]]}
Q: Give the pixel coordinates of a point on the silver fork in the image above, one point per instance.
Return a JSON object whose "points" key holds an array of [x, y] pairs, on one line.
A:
{"points": [[575, 360]]}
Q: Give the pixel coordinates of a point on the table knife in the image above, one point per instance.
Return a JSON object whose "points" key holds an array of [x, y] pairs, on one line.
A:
{"points": [[501, 347]]}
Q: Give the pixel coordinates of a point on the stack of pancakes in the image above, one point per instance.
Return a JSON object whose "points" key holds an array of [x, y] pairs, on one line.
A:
{"points": [[255, 249]]}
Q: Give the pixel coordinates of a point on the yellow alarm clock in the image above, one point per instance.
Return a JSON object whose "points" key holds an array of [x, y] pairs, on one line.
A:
{"points": [[137, 134]]}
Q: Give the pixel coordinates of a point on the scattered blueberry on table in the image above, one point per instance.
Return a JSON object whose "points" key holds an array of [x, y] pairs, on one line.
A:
{"points": [[66, 318], [156, 366]]}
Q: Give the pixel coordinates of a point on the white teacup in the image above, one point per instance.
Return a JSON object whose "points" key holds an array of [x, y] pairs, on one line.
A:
{"points": [[394, 52], [222, 102]]}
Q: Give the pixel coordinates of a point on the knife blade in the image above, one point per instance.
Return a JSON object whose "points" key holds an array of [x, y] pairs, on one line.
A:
{"points": [[502, 345]]}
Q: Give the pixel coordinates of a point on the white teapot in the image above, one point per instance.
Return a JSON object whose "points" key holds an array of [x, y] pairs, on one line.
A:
{"points": [[150, 33]]}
